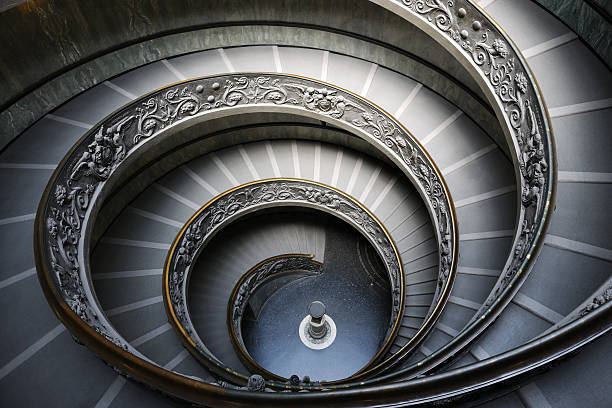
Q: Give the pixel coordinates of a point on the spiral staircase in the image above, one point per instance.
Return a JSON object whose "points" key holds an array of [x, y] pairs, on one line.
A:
{"points": [[193, 176]]}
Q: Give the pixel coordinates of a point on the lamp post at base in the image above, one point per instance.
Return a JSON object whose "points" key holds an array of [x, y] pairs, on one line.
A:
{"points": [[317, 327], [317, 330]]}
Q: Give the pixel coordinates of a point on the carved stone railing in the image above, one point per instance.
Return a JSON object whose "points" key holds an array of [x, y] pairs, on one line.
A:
{"points": [[467, 32], [256, 196], [497, 65], [294, 265], [515, 95], [86, 176]]}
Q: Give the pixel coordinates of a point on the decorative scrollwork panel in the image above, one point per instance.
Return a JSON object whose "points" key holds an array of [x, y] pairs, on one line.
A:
{"points": [[255, 196], [98, 156]]}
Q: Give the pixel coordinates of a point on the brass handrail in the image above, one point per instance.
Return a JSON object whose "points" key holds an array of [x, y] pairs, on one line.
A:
{"points": [[248, 284], [254, 196], [62, 224]]}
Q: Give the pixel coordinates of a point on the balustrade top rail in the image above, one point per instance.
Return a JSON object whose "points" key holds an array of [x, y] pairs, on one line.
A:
{"points": [[479, 43], [255, 196], [71, 199]]}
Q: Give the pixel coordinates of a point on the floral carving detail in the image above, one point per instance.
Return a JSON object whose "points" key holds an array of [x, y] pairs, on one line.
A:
{"points": [[106, 148], [436, 11], [510, 83], [392, 136], [521, 82], [102, 154], [256, 196], [487, 54], [60, 194], [263, 273], [597, 302], [63, 227], [499, 48], [95, 159], [254, 90], [323, 100], [157, 113]]}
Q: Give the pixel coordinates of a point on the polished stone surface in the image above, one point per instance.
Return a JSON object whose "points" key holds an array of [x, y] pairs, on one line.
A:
{"points": [[359, 307], [585, 20], [54, 57]]}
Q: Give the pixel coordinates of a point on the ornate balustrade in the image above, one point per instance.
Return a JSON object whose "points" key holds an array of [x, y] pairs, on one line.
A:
{"points": [[470, 35], [77, 188], [256, 196], [269, 270], [479, 44]]}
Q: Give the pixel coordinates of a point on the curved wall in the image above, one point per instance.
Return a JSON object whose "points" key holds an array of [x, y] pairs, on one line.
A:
{"points": [[45, 65]]}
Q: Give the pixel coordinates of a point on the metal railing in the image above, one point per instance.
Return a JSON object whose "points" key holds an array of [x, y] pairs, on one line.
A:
{"points": [[76, 189], [246, 199]]}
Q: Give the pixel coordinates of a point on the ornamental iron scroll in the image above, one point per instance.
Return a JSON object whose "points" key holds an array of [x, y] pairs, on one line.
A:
{"points": [[63, 214], [603, 297], [463, 27], [259, 275], [508, 79], [459, 22], [227, 208]]}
